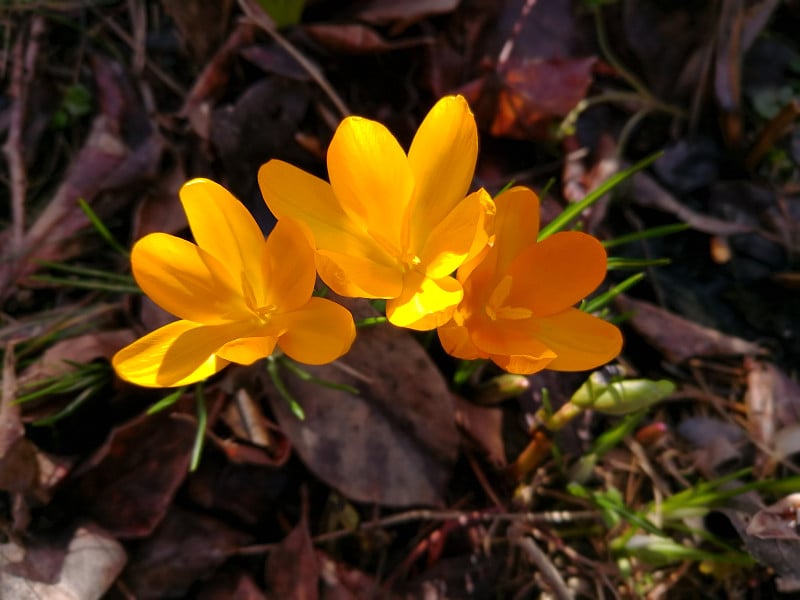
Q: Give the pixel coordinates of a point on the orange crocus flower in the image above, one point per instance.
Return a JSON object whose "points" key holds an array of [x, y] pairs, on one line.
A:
{"points": [[519, 295]]}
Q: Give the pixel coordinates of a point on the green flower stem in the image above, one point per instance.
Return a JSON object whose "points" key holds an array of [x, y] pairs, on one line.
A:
{"points": [[202, 423]]}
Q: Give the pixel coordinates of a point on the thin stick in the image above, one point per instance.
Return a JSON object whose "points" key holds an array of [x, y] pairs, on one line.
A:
{"points": [[22, 70], [517, 536], [257, 15]]}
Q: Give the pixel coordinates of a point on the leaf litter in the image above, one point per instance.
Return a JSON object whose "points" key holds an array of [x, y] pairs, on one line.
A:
{"points": [[402, 489]]}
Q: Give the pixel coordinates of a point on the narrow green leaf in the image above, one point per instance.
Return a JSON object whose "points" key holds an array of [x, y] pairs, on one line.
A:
{"points": [[605, 298], [647, 234]]}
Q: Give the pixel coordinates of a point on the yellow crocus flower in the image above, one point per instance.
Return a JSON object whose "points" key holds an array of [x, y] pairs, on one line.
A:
{"points": [[391, 225], [236, 294]]}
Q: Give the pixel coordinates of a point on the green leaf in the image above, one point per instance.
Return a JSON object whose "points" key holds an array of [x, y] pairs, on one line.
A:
{"points": [[283, 12]]}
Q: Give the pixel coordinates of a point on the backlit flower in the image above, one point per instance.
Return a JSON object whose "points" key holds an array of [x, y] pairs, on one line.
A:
{"points": [[236, 295], [391, 225], [518, 297]]}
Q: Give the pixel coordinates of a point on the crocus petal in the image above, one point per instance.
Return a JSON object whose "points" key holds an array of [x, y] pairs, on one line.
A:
{"points": [[141, 362], [516, 225], [524, 365], [425, 303], [245, 351], [185, 280], [289, 264], [371, 178], [357, 277], [318, 333], [557, 272], [462, 232], [580, 341], [509, 338], [292, 193], [442, 158], [192, 348], [456, 341], [224, 228]]}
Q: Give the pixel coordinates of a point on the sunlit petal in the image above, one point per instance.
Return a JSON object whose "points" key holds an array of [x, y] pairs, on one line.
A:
{"points": [[318, 333], [141, 362], [523, 365], [425, 303], [556, 273], [442, 158], [371, 177], [224, 228], [289, 266], [456, 341], [185, 280], [462, 232], [580, 341], [246, 351], [191, 349], [509, 338], [355, 276]]}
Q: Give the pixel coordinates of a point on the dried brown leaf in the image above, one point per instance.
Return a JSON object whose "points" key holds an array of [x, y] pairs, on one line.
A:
{"points": [[185, 549], [388, 11], [129, 483], [393, 444], [679, 339], [483, 425], [292, 568]]}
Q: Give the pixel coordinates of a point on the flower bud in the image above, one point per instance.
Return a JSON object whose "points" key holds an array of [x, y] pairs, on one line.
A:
{"points": [[620, 397]]}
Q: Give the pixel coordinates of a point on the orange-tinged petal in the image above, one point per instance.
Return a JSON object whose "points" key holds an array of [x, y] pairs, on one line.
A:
{"points": [[289, 266], [456, 341], [357, 277], [318, 333], [462, 232], [516, 224], [442, 158], [223, 227], [141, 362], [371, 177], [580, 341], [556, 273], [245, 351], [508, 338], [425, 303], [186, 281], [523, 365]]}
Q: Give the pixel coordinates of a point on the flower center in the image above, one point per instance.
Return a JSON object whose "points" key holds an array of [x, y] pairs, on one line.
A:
{"points": [[264, 313], [497, 309]]}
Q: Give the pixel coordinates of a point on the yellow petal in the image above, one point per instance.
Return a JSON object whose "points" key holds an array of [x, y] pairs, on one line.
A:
{"points": [[224, 228], [142, 362], [462, 232], [425, 303], [246, 351], [509, 338], [556, 273], [292, 193], [357, 277], [580, 341], [318, 333], [456, 341], [371, 177], [289, 266], [442, 158], [185, 280]]}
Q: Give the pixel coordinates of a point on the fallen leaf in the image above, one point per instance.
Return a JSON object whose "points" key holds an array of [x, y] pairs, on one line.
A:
{"points": [[128, 484], [483, 426], [83, 568], [394, 443], [201, 24], [122, 150], [292, 568], [185, 549], [679, 339], [354, 38], [229, 585], [386, 11]]}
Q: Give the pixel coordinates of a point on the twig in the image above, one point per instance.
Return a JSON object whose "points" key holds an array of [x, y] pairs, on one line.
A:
{"points": [[516, 535], [257, 15], [551, 517], [24, 63]]}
